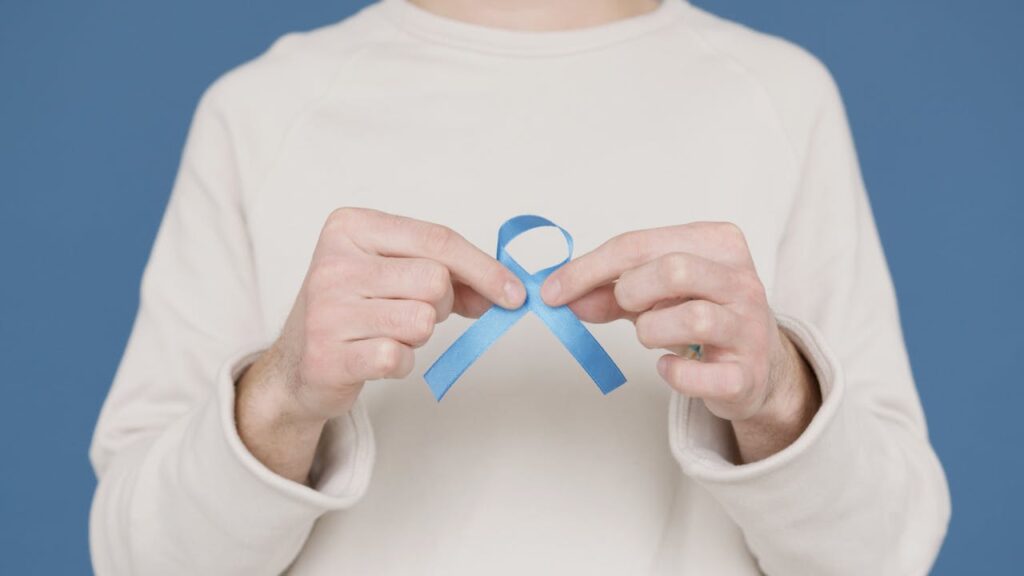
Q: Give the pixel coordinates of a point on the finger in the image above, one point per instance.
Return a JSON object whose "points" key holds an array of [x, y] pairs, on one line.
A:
{"points": [[680, 275], [376, 358], [722, 242], [408, 321], [403, 278], [692, 322], [719, 381], [469, 302], [391, 235], [409, 279], [599, 306]]}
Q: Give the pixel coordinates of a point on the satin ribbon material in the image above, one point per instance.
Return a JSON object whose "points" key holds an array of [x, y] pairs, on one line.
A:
{"points": [[560, 320]]}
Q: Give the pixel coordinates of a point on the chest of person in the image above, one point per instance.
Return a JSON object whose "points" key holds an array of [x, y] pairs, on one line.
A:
{"points": [[593, 144], [600, 148]]}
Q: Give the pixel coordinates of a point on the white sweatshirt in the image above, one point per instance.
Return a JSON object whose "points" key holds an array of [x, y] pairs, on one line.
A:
{"points": [[667, 117]]}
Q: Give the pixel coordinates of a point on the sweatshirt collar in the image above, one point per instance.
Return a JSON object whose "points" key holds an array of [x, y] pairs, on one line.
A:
{"points": [[458, 33]]}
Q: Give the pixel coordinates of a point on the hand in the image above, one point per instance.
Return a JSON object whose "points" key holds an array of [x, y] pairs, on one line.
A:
{"points": [[375, 288], [696, 284]]}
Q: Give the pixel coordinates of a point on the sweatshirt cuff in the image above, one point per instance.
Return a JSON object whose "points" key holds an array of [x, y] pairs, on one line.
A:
{"points": [[342, 466], [704, 445]]}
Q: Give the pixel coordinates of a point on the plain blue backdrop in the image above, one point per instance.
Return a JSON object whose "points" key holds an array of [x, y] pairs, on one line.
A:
{"points": [[95, 101]]}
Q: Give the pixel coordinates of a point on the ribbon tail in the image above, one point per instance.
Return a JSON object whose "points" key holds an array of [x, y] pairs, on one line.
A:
{"points": [[583, 347], [468, 347]]}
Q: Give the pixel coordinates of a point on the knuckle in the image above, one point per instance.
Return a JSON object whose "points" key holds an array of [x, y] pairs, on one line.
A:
{"points": [[393, 318], [729, 230], [338, 214], [425, 316], [645, 331], [624, 295], [387, 356], [732, 236], [701, 317], [732, 229], [438, 238], [436, 281], [674, 269], [342, 218]]}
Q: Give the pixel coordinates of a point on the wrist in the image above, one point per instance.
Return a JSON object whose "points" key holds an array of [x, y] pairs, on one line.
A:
{"points": [[268, 391], [793, 399], [271, 422]]}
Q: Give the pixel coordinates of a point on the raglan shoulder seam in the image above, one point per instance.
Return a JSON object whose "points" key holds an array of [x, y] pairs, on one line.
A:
{"points": [[797, 155], [305, 109], [329, 52]]}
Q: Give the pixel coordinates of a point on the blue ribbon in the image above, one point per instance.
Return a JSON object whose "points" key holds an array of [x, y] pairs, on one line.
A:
{"points": [[560, 320]]}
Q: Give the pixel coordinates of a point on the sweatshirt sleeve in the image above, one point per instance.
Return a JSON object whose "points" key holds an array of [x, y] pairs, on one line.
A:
{"points": [[178, 493], [861, 491]]}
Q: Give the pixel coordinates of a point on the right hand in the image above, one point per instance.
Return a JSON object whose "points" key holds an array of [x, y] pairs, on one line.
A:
{"points": [[376, 286]]}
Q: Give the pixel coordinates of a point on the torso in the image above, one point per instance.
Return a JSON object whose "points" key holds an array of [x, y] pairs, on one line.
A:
{"points": [[525, 467]]}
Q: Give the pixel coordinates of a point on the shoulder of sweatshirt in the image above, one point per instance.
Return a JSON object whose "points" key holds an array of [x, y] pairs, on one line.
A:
{"points": [[256, 102], [798, 86]]}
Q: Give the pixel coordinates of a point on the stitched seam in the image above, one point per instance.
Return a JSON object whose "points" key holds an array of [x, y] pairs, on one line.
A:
{"points": [[756, 81], [800, 165]]}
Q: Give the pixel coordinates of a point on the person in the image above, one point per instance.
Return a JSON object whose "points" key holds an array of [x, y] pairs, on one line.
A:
{"points": [[327, 239]]}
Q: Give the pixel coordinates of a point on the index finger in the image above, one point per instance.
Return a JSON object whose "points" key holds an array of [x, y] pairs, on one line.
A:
{"points": [[722, 242], [392, 235]]}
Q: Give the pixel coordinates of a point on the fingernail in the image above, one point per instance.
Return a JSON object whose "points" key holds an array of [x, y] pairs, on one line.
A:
{"points": [[663, 365], [550, 290], [513, 293]]}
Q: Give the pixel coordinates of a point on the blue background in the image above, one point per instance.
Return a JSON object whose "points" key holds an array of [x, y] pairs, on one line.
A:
{"points": [[95, 101]]}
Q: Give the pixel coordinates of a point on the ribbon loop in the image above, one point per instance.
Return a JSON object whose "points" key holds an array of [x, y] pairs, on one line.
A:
{"points": [[497, 320], [515, 227]]}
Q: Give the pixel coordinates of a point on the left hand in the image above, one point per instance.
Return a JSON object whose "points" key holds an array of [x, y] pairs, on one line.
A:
{"points": [[696, 284]]}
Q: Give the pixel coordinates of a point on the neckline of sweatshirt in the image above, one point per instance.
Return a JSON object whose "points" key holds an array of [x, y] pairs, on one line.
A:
{"points": [[434, 27]]}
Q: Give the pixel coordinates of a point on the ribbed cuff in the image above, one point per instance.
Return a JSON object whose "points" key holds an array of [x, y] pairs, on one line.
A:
{"points": [[807, 508], [784, 502], [344, 458], [705, 457]]}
